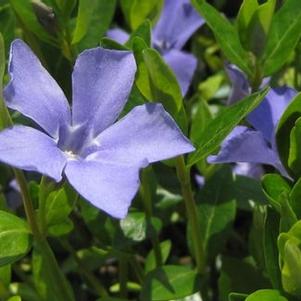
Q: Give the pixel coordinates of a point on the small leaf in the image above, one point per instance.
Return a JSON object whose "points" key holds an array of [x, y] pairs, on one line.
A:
{"points": [[169, 282], [15, 298], [283, 132], [150, 261], [294, 157], [266, 295], [226, 35], [218, 129], [15, 238], [94, 19], [283, 36], [143, 32], [271, 232]]}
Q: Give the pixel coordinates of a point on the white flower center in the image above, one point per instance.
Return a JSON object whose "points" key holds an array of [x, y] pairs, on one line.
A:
{"points": [[71, 155]]}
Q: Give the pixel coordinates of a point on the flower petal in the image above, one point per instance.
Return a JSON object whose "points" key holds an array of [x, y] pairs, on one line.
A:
{"points": [[118, 35], [146, 134], [29, 149], [266, 116], [245, 145], [33, 92], [102, 81], [240, 85], [107, 186], [183, 64], [177, 23]]}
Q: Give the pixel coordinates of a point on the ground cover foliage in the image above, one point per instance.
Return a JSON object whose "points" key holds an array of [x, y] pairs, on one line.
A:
{"points": [[150, 150]]}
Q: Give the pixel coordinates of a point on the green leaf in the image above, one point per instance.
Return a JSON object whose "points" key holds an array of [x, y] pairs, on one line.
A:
{"points": [[29, 21], [283, 132], [236, 296], [49, 280], [216, 209], [169, 282], [15, 298], [150, 261], [98, 22], [143, 32], [2, 63], [134, 226], [141, 9], [271, 232], [266, 295], [226, 35], [294, 157], [294, 197], [283, 36], [15, 238], [219, 128], [5, 275], [273, 186]]}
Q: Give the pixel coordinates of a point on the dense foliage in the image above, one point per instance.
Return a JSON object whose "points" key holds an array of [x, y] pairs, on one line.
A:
{"points": [[150, 150]]}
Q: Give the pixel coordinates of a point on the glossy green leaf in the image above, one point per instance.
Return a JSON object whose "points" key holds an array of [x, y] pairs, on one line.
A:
{"points": [[295, 197], [141, 9], [273, 186], [5, 275], [144, 32], [49, 280], [134, 226], [294, 157], [217, 130], [98, 22], [217, 209], [15, 238], [226, 35], [150, 261], [15, 298], [237, 297], [284, 128], [266, 295], [59, 205], [29, 20], [283, 36], [270, 249], [169, 282]]}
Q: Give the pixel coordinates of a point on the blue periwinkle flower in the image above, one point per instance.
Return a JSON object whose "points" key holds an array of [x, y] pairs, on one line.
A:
{"points": [[177, 23], [257, 144], [101, 160]]}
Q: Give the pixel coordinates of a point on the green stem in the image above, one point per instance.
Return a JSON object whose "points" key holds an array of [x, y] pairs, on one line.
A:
{"points": [[123, 275], [90, 277], [29, 210], [191, 210], [147, 199]]}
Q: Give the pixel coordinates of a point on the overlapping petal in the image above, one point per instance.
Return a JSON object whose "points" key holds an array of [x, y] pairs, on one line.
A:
{"points": [[118, 35], [246, 145], [102, 80], [240, 84], [29, 149], [107, 186], [183, 64], [177, 23], [266, 116], [147, 134], [33, 92]]}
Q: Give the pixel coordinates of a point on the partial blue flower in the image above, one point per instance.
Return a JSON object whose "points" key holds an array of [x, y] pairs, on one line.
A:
{"points": [[257, 144], [177, 23], [100, 159]]}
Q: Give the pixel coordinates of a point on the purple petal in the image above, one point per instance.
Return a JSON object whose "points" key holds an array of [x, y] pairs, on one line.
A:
{"points": [[107, 186], [245, 145], [183, 64], [146, 134], [177, 23], [29, 149], [33, 92], [102, 80], [118, 35], [266, 116], [240, 85]]}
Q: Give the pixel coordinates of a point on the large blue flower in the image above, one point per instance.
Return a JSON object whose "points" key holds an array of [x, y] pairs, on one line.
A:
{"points": [[177, 23], [101, 160]]}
